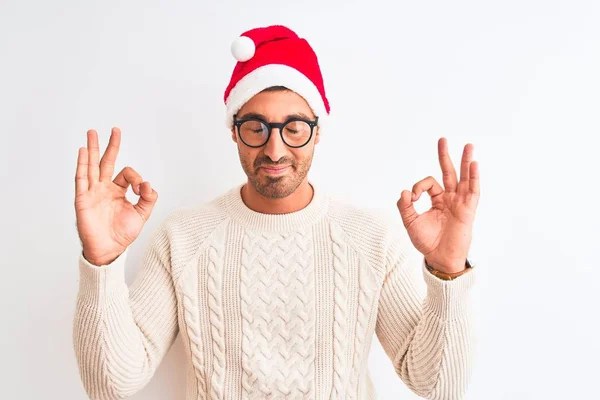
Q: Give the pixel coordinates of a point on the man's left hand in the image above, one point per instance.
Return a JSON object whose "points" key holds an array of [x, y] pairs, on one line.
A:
{"points": [[443, 233]]}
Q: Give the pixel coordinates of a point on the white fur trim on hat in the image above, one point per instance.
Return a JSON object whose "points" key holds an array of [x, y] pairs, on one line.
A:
{"points": [[274, 75]]}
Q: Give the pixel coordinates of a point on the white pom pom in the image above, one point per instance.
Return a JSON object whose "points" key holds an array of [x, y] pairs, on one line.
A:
{"points": [[243, 48]]}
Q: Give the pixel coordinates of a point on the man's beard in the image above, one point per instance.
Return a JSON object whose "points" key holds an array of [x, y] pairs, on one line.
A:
{"points": [[277, 187]]}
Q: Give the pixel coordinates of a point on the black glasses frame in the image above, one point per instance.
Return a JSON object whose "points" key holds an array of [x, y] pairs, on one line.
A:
{"points": [[279, 125]]}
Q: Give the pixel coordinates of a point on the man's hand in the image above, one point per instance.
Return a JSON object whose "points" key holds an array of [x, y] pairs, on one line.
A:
{"points": [[443, 233], [107, 222]]}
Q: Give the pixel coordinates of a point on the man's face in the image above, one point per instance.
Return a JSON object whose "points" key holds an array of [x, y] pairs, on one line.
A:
{"points": [[276, 106]]}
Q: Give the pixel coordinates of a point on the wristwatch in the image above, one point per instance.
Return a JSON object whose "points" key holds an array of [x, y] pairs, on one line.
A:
{"points": [[446, 276]]}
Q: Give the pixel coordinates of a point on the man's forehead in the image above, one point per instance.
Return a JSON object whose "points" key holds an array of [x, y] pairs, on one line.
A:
{"points": [[253, 114], [281, 104]]}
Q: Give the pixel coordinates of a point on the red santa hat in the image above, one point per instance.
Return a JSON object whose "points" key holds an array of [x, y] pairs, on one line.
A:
{"points": [[274, 56]]}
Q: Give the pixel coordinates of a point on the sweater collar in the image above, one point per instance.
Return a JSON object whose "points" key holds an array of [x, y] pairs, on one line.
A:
{"points": [[300, 219]]}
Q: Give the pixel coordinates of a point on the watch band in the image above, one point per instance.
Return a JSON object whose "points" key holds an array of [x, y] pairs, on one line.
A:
{"points": [[446, 276]]}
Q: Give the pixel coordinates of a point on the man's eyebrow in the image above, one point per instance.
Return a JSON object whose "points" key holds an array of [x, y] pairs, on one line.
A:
{"points": [[251, 115], [260, 116], [298, 115]]}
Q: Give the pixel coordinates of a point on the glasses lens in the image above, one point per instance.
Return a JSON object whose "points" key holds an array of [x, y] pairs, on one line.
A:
{"points": [[254, 133], [296, 133]]}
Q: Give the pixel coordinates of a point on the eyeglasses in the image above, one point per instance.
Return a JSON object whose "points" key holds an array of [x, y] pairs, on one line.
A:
{"points": [[295, 132]]}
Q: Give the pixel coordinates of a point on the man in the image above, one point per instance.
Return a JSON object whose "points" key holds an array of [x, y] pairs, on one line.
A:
{"points": [[276, 287]]}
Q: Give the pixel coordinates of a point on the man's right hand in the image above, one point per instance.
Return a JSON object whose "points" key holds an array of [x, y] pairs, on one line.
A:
{"points": [[107, 222]]}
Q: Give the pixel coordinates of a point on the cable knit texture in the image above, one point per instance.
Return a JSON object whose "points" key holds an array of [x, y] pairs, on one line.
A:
{"points": [[274, 306]]}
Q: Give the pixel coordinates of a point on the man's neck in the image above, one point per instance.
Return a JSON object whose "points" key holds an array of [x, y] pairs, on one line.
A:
{"points": [[296, 201]]}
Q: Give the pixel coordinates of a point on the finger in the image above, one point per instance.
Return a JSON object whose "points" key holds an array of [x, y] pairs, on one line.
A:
{"points": [[128, 176], [429, 185], [81, 174], [92, 144], [448, 171], [465, 162], [406, 208], [107, 164], [145, 204], [474, 178]]}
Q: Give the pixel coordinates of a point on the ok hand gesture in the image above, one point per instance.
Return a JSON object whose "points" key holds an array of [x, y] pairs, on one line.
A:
{"points": [[107, 222], [443, 233]]}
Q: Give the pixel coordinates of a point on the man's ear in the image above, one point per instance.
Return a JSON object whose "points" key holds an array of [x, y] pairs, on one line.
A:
{"points": [[233, 135], [317, 135]]}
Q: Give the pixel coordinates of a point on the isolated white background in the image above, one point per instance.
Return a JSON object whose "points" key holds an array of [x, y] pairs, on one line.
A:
{"points": [[518, 79]]}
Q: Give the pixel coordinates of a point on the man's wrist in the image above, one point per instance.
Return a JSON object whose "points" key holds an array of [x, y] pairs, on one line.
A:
{"points": [[446, 275], [97, 261]]}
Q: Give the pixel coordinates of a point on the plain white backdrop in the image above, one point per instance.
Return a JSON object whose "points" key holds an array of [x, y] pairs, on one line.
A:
{"points": [[518, 79]]}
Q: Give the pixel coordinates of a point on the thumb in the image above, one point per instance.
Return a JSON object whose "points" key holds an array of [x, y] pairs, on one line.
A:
{"points": [[147, 200], [406, 208]]}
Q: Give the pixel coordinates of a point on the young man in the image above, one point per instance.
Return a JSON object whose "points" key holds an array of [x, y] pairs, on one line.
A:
{"points": [[276, 287]]}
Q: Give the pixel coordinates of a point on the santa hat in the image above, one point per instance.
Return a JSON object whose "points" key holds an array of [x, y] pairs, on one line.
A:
{"points": [[274, 56]]}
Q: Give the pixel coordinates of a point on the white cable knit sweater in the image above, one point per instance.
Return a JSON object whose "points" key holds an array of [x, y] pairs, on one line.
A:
{"points": [[273, 306]]}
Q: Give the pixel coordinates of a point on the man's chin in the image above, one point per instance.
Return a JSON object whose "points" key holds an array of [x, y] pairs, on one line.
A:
{"points": [[274, 187]]}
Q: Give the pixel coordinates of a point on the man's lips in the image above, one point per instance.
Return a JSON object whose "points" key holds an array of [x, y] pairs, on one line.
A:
{"points": [[277, 169]]}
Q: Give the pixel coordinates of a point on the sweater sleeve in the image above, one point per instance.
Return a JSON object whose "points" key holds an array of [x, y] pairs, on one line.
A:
{"points": [[121, 334], [427, 330]]}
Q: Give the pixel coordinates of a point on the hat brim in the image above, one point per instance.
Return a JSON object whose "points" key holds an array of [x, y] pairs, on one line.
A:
{"points": [[274, 75]]}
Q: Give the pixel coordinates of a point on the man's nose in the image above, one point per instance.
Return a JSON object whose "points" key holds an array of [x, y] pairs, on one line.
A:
{"points": [[275, 148]]}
